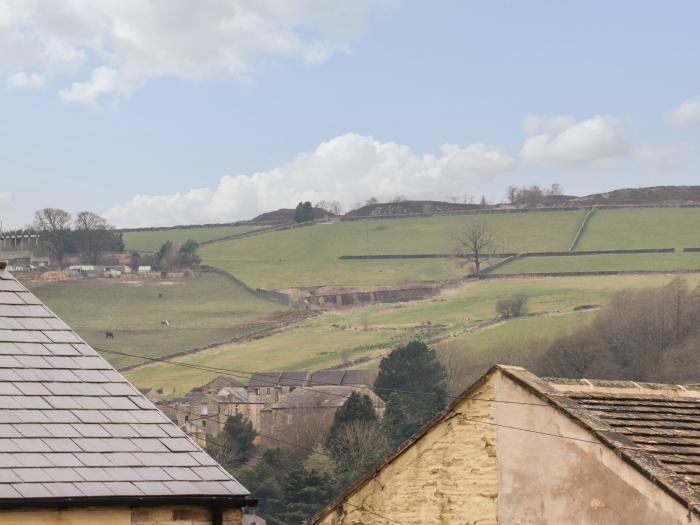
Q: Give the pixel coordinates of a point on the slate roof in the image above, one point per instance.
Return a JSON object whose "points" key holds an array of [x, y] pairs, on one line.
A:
{"points": [[325, 397], [73, 427], [304, 378], [286, 378], [341, 377]]}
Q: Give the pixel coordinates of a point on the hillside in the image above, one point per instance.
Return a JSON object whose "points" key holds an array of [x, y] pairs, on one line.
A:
{"points": [[310, 256], [642, 196]]}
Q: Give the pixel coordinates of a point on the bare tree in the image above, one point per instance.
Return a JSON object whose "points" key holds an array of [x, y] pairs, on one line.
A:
{"points": [[362, 444], [475, 243], [458, 363], [91, 229], [53, 225]]}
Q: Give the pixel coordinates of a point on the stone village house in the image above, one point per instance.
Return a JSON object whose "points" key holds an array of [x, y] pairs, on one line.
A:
{"points": [[263, 401], [79, 445], [307, 413], [519, 449]]}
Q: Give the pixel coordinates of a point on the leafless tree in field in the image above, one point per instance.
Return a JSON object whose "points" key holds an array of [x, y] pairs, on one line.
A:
{"points": [[54, 226], [475, 244]]}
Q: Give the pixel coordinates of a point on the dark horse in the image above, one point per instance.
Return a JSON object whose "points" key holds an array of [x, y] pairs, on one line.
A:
{"points": [[109, 335]]}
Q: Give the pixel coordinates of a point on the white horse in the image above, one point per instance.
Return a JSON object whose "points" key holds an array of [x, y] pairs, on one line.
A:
{"points": [[165, 323]]}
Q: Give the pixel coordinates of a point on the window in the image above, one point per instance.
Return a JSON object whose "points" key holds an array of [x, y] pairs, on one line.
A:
{"points": [[289, 419], [204, 410], [226, 411], [238, 410], [204, 424], [268, 390]]}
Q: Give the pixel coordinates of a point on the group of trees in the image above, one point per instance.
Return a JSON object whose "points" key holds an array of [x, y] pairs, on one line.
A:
{"points": [[411, 381], [304, 212], [533, 195], [170, 257], [87, 234], [646, 335]]}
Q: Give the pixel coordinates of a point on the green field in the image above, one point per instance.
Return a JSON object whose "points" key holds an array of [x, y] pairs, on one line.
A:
{"points": [[309, 256], [454, 318], [200, 310], [152, 240], [642, 228], [595, 263]]}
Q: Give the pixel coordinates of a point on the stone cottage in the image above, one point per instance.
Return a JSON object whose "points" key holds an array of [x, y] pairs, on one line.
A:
{"points": [[79, 445], [306, 413], [519, 449]]}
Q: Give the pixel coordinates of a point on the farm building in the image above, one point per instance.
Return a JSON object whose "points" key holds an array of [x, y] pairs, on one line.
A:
{"points": [[80, 445], [517, 448]]}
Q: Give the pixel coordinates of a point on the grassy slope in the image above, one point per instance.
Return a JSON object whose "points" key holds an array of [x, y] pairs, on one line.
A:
{"points": [[200, 310], [151, 240], [645, 261], [319, 341], [642, 228], [309, 256]]}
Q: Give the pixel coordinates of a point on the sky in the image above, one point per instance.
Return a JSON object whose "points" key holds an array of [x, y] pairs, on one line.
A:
{"points": [[164, 112]]}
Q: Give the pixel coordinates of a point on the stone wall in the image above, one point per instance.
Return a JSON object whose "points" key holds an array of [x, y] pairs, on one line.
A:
{"points": [[449, 475], [171, 515]]}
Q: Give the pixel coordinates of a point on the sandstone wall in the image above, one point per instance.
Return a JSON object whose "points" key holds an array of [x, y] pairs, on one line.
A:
{"points": [[448, 476]]}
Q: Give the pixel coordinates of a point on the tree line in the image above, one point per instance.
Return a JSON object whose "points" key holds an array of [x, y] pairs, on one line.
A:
{"points": [[87, 234]]}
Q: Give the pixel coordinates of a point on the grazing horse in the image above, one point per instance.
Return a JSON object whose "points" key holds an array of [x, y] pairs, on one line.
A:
{"points": [[165, 322], [160, 296], [109, 335]]}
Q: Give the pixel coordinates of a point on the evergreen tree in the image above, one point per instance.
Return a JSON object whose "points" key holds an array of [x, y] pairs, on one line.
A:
{"points": [[188, 254], [397, 425], [307, 212], [305, 492], [235, 445], [299, 213], [416, 379]]}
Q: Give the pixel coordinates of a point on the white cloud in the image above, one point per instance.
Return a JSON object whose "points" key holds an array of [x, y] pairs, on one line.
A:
{"points": [[662, 160], [22, 80], [110, 47], [5, 199], [348, 168], [687, 113], [564, 141]]}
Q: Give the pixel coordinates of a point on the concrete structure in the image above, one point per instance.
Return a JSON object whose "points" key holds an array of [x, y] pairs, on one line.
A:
{"points": [[515, 448], [79, 445]]}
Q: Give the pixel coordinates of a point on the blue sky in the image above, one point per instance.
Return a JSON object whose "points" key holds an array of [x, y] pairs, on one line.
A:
{"points": [[147, 128]]}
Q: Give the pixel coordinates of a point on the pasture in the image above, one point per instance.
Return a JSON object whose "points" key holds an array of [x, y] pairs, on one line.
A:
{"points": [[309, 256], [595, 263], [152, 240], [453, 318], [616, 229], [200, 310]]}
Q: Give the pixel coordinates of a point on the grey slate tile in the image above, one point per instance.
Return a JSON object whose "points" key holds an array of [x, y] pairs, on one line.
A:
{"points": [[32, 490], [64, 460], [8, 491]]}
